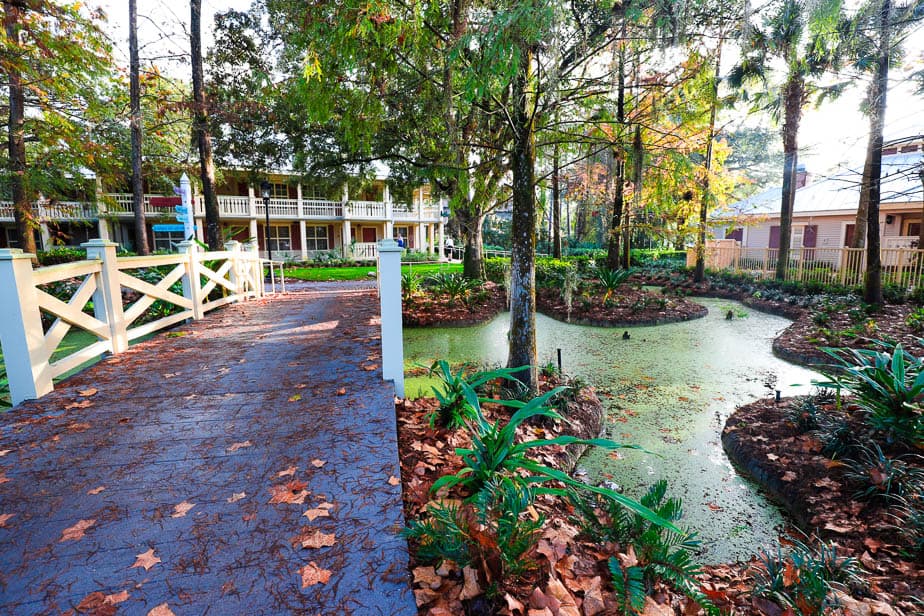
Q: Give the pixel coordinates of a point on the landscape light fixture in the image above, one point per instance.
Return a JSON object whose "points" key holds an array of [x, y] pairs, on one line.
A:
{"points": [[265, 193]]}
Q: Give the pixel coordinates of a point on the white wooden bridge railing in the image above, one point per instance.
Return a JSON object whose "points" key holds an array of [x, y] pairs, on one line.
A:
{"points": [[208, 280]]}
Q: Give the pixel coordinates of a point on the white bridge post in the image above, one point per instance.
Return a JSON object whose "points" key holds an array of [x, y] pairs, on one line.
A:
{"points": [[21, 335], [390, 307], [107, 300], [191, 289]]}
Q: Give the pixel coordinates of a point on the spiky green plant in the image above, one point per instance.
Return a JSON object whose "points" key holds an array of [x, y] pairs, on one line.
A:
{"points": [[611, 279], [802, 578], [880, 477], [410, 284], [454, 286], [495, 453], [663, 555], [454, 409], [888, 385]]}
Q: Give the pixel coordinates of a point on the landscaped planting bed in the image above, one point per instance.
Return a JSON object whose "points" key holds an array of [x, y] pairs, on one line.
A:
{"points": [[450, 300], [628, 305]]}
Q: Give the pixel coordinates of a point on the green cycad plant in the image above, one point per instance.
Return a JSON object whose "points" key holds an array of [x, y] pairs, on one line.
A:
{"points": [[495, 454], [454, 409], [611, 279], [410, 284], [453, 286], [888, 385], [661, 554]]}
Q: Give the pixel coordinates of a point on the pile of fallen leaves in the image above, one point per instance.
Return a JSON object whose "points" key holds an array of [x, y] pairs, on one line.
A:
{"points": [[790, 465]]}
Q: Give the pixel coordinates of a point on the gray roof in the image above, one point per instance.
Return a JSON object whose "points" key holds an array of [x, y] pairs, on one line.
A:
{"points": [[900, 183]]}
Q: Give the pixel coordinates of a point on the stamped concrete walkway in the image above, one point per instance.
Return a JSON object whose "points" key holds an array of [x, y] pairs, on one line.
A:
{"points": [[184, 472]]}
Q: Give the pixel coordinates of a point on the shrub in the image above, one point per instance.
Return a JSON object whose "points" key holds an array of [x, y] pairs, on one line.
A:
{"points": [[804, 577], [611, 280], [454, 409], [492, 532], [553, 273], [496, 268], [888, 384], [453, 286], [662, 555], [410, 284], [414, 256], [62, 254], [915, 320], [877, 476], [909, 516]]}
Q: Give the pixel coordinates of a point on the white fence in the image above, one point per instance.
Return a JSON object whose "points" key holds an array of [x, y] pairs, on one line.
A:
{"points": [[847, 266], [208, 280]]}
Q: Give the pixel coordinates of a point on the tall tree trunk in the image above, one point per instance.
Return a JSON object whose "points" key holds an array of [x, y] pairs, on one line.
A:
{"points": [[921, 223], [471, 222], [879, 88], [201, 128], [556, 206], [700, 272], [793, 95], [141, 232], [860, 222], [523, 233], [22, 205], [638, 167], [619, 168]]}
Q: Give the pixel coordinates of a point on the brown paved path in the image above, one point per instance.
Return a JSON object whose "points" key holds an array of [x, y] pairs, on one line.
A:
{"points": [[229, 414]]}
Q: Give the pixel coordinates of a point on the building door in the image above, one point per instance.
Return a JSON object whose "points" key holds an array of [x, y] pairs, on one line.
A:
{"points": [[369, 235]]}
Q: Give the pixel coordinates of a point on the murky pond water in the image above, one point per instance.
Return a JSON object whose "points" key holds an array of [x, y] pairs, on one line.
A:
{"points": [[669, 389]]}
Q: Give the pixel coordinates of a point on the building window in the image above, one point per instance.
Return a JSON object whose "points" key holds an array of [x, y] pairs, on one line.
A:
{"points": [[316, 238], [167, 241], [280, 238], [279, 191]]}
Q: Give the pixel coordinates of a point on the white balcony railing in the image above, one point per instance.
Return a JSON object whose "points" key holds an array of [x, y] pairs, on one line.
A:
{"points": [[119, 205], [365, 250]]}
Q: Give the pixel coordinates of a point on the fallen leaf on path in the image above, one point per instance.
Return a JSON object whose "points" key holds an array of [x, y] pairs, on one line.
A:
{"points": [[341, 391], [371, 367], [78, 405], [237, 446], [116, 598], [289, 472], [90, 391], [3, 452], [311, 514], [76, 532], [4, 518], [95, 603], [394, 480], [293, 493], [295, 398], [312, 574], [318, 463], [96, 491], [317, 539], [161, 610], [182, 509], [3, 477], [146, 560], [236, 496]]}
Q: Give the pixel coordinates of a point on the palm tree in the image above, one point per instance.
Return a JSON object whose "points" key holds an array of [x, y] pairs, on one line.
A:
{"points": [[803, 36]]}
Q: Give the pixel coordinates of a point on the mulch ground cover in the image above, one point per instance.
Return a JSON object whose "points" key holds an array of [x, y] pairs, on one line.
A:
{"points": [[630, 306], [802, 341], [787, 461], [429, 309]]}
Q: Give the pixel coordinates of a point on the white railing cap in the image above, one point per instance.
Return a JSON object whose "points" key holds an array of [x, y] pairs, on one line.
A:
{"points": [[10, 254], [98, 243], [389, 246]]}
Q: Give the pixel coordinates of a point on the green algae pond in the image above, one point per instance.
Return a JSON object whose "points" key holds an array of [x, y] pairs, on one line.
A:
{"points": [[669, 389]]}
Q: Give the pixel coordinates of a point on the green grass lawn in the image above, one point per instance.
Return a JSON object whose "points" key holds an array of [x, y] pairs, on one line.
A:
{"points": [[316, 274]]}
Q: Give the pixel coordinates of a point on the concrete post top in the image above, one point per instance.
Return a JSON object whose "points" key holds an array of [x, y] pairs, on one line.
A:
{"points": [[389, 245], [9, 254], [187, 245], [99, 243], [184, 179], [232, 245]]}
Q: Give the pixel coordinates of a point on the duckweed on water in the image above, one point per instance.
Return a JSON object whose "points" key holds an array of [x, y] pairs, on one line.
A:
{"points": [[669, 389]]}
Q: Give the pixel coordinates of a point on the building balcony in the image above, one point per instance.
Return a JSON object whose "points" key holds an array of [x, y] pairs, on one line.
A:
{"points": [[231, 207]]}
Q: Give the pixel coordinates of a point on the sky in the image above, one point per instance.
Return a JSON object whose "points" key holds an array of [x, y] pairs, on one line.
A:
{"points": [[831, 137]]}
